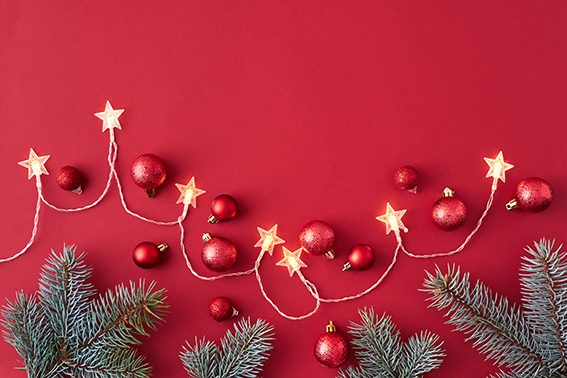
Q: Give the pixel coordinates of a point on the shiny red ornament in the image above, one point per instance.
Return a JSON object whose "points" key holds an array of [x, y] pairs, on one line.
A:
{"points": [[360, 257], [69, 178], [317, 238], [532, 195], [331, 348], [148, 172], [223, 208], [218, 254], [407, 178], [146, 254], [449, 213], [221, 308]]}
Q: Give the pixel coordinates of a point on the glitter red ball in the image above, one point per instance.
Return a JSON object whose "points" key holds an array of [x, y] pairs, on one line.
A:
{"points": [[148, 171], [317, 238], [360, 257], [223, 208], [221, 308], [69, 178], [147, 255], [449, 213], [406, 178], [534, 195], [218, 254], [331, 349]]}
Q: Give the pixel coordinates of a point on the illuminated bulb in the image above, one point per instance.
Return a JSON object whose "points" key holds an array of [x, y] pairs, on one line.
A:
{"points": [[498, 168], [268, 239], [34, 164], [189, 193], [267, 243], [393, 220], [292, 260], [110, 117]]}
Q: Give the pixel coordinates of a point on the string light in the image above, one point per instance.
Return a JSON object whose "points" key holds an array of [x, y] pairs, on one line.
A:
{"points": [[393, 220], [498, 168], [35, 164], [189, 193], [292, 260], [268, 239], [110, 117]]}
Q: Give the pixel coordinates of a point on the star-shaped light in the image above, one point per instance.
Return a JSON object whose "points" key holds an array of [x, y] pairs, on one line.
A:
{"points": [[292, 261], [392, 219], [268, 239], [498, 168], [35, 164], [189, 193], [110, 117]]}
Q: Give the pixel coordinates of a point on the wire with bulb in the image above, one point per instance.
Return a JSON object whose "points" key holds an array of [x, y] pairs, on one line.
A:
{"points": [[268, 238]]}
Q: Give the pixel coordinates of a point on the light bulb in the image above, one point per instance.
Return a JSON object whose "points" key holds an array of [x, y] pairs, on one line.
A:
{"points": [[35, 164], [189, 193], [292, 261], [498, 168], [393, 220], [110, 117], [268, 239]]}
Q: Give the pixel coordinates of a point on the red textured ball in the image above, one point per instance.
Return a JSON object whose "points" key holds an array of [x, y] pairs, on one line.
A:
{"points": [[317, 238], [218, 254], [146, 254], [148, 171], [360, 257], [534, 195], [68, 178], [224, 207], [221, 308], [406, 178], [331, 349], [449, 213]]}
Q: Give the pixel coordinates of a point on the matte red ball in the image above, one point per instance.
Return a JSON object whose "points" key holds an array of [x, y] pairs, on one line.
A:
{"points": [[148, 171], [221, 308], [449, 213], [317, 237], [534, 195], [406, 177], [146, 255], [224, 207], [218, 254], [361, 257], [331, 349], [68, 178]]}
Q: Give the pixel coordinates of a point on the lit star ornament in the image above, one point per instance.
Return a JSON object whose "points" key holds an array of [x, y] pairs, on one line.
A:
{"points": [[110, 117], [292, 261], [189, 193], [498, 168], [35, 164], [268, 239], [393, 220]]}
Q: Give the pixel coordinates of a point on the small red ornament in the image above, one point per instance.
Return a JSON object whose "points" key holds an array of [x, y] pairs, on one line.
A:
{"points": [[223, 208], [331, 348], [360, 257], [407, 178], [69, 178], [317, 238], [146, 254], [221, 308], [532, 195], [148, 172], [218, 254], [449, 213]]}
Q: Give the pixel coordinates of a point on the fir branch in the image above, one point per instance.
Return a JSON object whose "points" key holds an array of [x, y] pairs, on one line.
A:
{"points": [[202, 360], [422, 354]]}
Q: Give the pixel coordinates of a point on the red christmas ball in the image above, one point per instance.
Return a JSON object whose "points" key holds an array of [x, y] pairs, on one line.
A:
{"points": [[148, 172], [146, 254], [221, 308], [534, 194], [224, 208], [360, 257], [69, 178], [331, 348], [407, 178], [218, 254], [449, 213], [317, 238]]}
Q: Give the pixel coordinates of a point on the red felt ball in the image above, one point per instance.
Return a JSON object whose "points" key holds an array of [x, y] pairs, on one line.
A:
{"points": [[331, 349], [218, 254], [449, 213], [69, 178], [317, 238], [221, 308], [148, 171], [534, 194], [360, 257], [224, 208], [146, 254], [406, 178]]}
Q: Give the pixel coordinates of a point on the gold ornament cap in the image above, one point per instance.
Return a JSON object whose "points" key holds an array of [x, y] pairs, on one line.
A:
{"points": [[212, 219], [448, 192], [150, 192], [513, 204], [162, 247], [330, 327], [347, 266], [206, 236], [330, 254]]}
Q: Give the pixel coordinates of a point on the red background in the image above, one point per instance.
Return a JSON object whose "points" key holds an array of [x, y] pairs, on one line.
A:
{"points": [[301, 111]]}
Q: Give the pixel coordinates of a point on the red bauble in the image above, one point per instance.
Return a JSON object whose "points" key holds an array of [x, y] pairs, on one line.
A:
{"points": [[146, 254], [532, 195], [69, 178], [221, 308], [360, 257], [224, 208], [407, 178], [317, 238], [218, 254], [331, 348], [449, 213], [148, 172]]}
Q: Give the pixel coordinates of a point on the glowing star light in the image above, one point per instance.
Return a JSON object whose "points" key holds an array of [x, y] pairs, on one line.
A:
{"points": [[110, 117], [393, 220], [292, 261], [35, 164], [498, 168], [268, 239], [189, 193]]}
